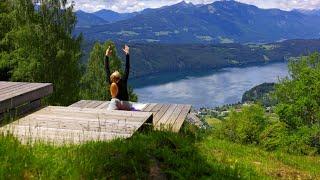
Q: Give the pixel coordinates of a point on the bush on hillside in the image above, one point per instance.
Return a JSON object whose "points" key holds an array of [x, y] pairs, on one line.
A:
{"points": [[274, 136], [245, 126], [299, 104], [299, 94], [300, 141]]}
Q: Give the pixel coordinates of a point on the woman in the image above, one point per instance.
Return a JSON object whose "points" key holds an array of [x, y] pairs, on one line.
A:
{"points": [[118, 84]]}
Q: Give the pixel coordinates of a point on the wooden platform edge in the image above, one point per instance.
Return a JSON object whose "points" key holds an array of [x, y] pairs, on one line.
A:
{"points": [[28, 97], [139, 125]]}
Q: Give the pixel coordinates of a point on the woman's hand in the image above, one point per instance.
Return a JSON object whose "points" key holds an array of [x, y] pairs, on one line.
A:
{"points": [[126, 49], [109, 51]]}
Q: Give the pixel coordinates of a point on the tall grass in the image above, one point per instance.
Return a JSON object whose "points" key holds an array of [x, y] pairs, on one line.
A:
{"points": [[145, 155], [191, 154]]}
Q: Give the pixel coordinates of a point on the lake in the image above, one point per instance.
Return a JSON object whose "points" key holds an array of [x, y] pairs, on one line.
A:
{"points": [[206, 89]]}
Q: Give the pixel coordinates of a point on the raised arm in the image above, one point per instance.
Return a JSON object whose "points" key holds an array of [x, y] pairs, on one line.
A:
{"points": [[127, 69], [106, 64]]}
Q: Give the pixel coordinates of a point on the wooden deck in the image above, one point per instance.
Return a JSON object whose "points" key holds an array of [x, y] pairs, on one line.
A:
{"points": [[82, 121], [15, 94], [165, 116], [76, 125]]}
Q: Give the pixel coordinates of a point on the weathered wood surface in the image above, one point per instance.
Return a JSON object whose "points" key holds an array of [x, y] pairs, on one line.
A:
{"points": [[21, 110], [14, 94], [165, 116], [76, 125]]}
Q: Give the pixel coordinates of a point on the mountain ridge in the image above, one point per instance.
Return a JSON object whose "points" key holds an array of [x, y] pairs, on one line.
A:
{"points": [[85, 19], [218, 22], [113, 16], [154, 58]]}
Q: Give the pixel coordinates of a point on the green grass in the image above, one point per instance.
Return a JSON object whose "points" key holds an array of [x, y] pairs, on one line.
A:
{"points": [[191, 154], [212, 121], [147, 154], [267, 165]]}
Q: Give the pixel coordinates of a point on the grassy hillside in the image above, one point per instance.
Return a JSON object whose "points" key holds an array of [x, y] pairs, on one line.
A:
{"points": [[191, 154]]}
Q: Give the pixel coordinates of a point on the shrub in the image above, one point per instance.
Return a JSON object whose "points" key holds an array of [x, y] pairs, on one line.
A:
{"points": [[300, 142], [274, 136], [245, 126], [299, 94]]}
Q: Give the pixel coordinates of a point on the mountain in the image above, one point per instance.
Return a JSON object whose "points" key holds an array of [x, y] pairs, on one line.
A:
{"points": [[88, 20], [112, 16], [309, 12], [153, 58], [219, 22], [260, 94]]}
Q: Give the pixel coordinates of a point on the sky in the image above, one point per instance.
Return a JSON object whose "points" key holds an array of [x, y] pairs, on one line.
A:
{"points": [[138, 5]]}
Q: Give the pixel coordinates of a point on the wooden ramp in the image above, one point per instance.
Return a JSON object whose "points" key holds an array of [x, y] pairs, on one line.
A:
{"points": [[76, 125], [21, 96], [165, 116]]}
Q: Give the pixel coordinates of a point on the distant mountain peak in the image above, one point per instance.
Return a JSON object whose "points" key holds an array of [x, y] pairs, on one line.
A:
{"points": [[231, 2], [105, 11], [80, 11], [184, 4]]}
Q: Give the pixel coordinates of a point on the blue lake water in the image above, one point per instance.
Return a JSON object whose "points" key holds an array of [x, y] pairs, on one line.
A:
{"points": [[206, 89]]}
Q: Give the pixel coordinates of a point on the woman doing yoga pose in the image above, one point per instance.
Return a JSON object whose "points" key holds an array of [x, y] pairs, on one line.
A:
{"points": [[118, 84]]}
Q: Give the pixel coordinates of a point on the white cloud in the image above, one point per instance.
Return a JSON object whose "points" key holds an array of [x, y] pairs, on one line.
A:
{"points": [[137, 5], [285, 4]]}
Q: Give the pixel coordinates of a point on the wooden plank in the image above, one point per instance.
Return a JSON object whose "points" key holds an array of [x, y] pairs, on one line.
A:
{"points": [[94, 104], [26, 97], [101, 104], [129, 128], [6, 85], [104, 105], [12, 88], [21, 89], [18, 86], [163, 120], [149, 107], [77, 104], [182, 116], [87, 118], [83, 125], [172, 119], [22, 109], [56, 109], [90, 104], [28, 107], [83, 104], [146, 106], [160, 113], [56, 122], [60, 136], [156, 108]]}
